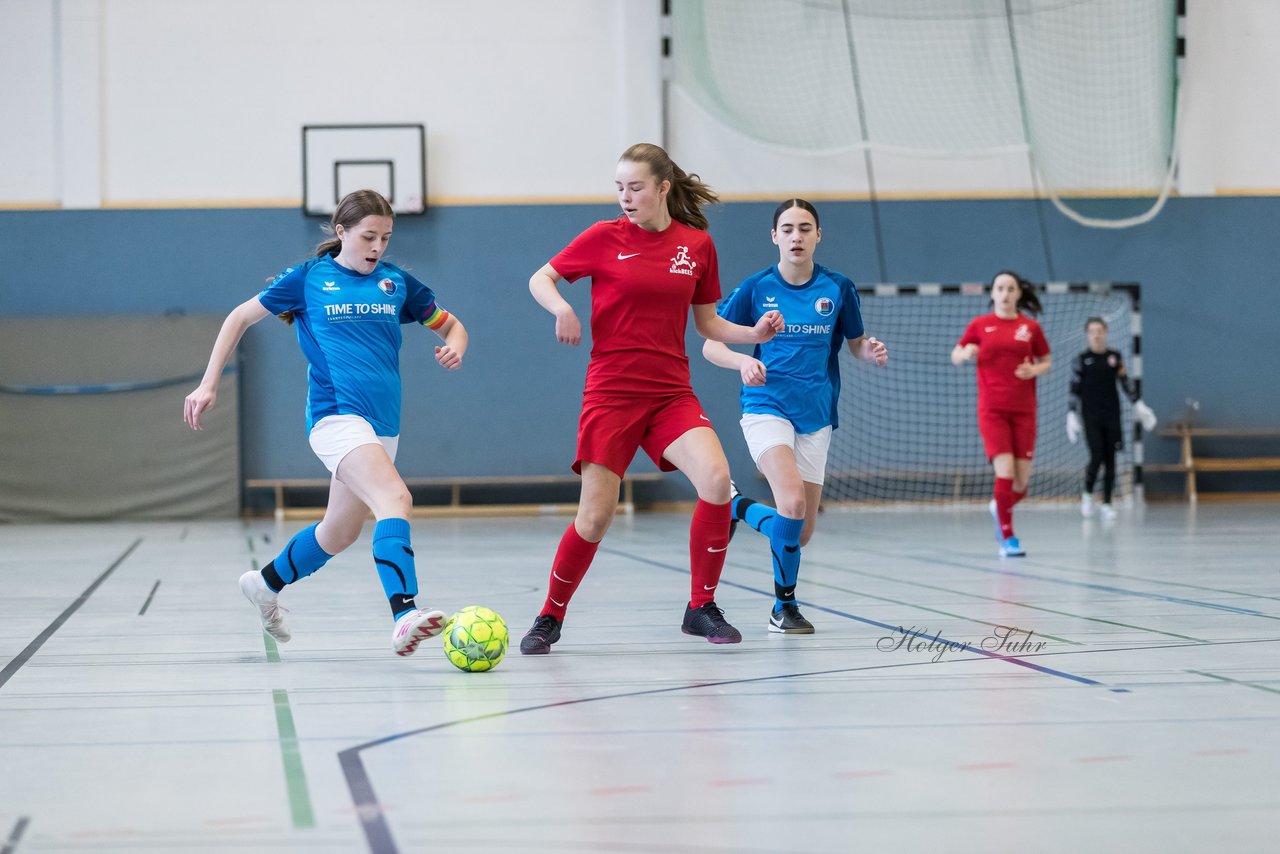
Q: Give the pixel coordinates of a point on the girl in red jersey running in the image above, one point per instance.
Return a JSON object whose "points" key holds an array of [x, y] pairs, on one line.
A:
{"points": [[647, 267], [1012, 351]]}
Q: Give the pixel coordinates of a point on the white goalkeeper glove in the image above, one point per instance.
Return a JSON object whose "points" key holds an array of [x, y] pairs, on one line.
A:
{"points": [[1144, 414], [1073, 426]]}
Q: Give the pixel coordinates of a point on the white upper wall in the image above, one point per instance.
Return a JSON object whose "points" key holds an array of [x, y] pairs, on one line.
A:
{"points": [[1232, 101], [139, 102], [27, 99]]}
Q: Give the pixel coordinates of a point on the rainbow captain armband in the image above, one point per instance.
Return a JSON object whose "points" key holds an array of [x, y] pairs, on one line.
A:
{"points": [[436, 319]]}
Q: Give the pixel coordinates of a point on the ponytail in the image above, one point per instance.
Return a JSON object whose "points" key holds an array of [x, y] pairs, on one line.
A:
{"points": [[688, 192], [350, 211]]}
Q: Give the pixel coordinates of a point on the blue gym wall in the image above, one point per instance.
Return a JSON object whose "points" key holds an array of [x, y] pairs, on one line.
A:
{"points": [[1211, 308]]}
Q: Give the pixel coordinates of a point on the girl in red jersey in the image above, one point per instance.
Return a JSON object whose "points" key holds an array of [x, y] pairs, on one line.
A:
{"points": [[1012, 351], [647, 267]]}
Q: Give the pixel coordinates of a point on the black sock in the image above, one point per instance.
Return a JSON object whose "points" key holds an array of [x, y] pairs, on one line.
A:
{"points": [[401, 603], [273, 579]]}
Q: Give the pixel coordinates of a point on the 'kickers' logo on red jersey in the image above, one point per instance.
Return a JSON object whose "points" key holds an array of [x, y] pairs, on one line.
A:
{"points": [[1023, 333], [681, 263]]}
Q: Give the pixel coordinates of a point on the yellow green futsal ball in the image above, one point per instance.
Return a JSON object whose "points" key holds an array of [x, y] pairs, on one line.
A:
{"points": [[475, 639]]}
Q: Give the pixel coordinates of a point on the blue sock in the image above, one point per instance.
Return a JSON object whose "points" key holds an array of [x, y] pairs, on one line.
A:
{"points": [[784, 542], [301, 557], [394, 558], [758, 516]]}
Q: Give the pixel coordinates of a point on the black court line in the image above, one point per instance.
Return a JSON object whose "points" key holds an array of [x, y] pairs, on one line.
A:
{"points": [[378, 834], [370, 812], [15, 835], [150, 596], [32, 648]]}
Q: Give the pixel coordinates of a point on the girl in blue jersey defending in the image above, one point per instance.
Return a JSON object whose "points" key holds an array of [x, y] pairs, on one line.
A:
{"points": [[347, 304], [789, 390]]}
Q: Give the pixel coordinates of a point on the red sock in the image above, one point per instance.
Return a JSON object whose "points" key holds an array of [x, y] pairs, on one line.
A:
{"points": [[708, 540], [1004, 505], [572, 560], [1017, 496]]}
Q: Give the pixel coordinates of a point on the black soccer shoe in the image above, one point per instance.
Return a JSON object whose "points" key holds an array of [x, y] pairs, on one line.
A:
{"points": [[539, 638], [708, 622], [787, 619]]}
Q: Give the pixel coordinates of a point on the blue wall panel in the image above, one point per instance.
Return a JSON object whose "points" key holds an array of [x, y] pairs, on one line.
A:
{"points": [[1208, 268]]}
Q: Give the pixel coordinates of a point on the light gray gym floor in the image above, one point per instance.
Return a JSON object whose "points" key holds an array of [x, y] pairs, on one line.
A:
{"points": [[142, 708]]}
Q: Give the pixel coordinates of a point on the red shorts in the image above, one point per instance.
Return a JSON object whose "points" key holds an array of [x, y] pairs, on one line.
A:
{"points": [[1008, 433], [610, 429]]}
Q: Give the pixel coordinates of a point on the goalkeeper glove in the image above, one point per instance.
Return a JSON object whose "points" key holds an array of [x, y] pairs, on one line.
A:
{"points": [[1144, 414], [1073, 427]]}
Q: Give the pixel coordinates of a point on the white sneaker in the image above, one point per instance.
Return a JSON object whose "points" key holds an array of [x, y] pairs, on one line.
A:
{"points": [[413, 628], [1107, 512], [255, 589], [1086, 505]]}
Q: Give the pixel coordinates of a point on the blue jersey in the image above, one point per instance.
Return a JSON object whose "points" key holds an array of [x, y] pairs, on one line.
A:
{"points": [[349, 328], [802, 363]]}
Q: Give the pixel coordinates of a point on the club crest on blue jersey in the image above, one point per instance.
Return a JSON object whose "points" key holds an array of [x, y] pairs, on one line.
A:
{"points": [[824, 306], [388, 286]]}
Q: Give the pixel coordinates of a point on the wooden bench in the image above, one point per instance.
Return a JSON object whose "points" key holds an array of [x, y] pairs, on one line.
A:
{"points": [[1189, 464], [457, 505]]}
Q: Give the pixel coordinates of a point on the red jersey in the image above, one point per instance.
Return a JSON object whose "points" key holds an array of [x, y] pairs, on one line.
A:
{"points": [[642, 284], [1002, 346]]}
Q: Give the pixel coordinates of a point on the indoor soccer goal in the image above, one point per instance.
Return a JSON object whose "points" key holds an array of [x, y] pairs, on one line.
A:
{"points": [[908, 431]]}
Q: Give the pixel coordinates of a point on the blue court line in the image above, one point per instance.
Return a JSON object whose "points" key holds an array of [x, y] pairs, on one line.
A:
{"points": [[1105, 588], [370, 813], [1049, 671], [105, 388]]}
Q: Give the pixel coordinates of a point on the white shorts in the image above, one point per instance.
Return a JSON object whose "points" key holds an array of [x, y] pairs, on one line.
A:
{"points": [[763, 432], [335, 436]]}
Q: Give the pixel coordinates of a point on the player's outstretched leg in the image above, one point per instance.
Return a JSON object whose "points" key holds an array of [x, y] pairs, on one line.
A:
{"points": [[573, 558], [301, 557], [397, 570], [784, 545]]}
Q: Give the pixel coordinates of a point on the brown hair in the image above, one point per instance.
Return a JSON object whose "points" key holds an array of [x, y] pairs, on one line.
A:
{"points": [[353, 208], [1027, 299], [795, 203], [688, 192]]}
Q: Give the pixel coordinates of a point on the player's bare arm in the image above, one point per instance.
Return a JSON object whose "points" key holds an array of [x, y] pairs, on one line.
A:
{"points": [[544, 285]]}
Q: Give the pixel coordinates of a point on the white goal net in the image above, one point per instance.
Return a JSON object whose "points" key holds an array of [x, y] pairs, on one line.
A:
{"points": [[908, 431]]}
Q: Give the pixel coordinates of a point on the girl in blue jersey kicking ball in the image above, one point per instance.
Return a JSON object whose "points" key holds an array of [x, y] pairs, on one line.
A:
{"points": [[347, 304], [789, 390]]}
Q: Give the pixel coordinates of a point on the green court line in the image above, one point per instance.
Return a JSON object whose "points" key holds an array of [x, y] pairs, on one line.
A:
{"points": [[1006, 602], [294, 777], [273, 651], [1236, 681]]}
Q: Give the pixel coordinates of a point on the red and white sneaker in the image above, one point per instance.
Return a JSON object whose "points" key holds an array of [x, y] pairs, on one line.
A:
{"points": [[415, 627]]}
